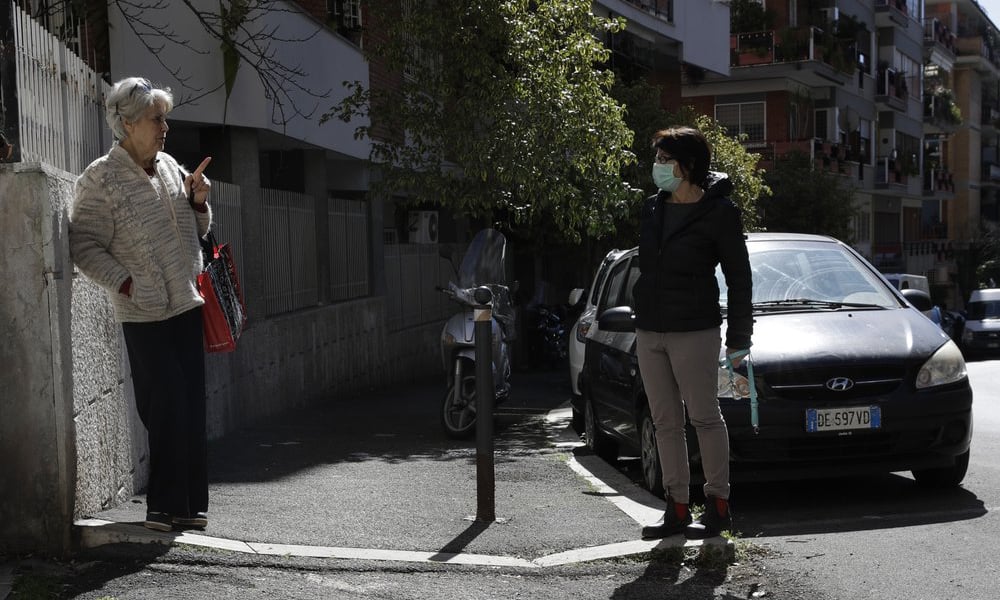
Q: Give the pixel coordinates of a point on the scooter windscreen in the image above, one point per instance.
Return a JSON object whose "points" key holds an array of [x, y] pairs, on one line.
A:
{"points": [[483, 263]]}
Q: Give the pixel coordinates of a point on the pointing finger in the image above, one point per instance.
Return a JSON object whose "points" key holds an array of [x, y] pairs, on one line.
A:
{"points": [[201, 167]]}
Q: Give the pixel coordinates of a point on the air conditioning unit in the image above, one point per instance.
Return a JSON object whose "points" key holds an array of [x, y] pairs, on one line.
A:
{"points": [[423, 226]]}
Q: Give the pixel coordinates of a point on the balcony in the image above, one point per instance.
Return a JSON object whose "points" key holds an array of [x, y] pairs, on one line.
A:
{"points": [[940, 42], [839, 159], [891, 171], [941, 114], [819, 59], [662, 9], [888, 12], [939, 183], [975, 53], [891, 89]]}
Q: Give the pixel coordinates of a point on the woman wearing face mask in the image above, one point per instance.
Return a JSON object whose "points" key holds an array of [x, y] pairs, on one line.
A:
{"points": [[688, 228]]}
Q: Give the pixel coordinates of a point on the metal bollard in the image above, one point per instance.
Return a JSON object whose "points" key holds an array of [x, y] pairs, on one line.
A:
{"points": [[485, 475]]}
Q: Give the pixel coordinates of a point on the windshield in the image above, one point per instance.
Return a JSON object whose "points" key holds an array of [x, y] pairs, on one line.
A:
{"points": [[483, 265], [819, 274], [979, 311], [484, 260]]}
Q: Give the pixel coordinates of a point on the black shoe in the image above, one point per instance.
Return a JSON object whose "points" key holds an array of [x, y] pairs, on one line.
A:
{"points": [[199, 521], [669, 525], [158, 521], [716, 519]]}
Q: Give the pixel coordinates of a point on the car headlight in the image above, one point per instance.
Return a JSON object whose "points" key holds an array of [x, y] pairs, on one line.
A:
{"points": [[735, 388], [582, 329], [945, 366]]}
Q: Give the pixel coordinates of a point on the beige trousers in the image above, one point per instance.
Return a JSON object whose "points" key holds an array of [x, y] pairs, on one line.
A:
{"points": [[681, 370]]}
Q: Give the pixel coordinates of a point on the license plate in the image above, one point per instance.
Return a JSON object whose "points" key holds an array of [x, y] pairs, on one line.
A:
{"points": [[839, 419]]}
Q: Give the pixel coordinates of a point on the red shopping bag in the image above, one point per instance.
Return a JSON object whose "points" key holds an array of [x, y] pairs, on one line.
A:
{"points": [[224, 313]]}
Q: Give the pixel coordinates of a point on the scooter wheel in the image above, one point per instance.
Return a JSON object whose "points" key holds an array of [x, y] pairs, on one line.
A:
{"points": [[458, 411]]}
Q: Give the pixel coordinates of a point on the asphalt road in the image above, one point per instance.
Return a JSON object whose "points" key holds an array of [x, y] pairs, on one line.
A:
{"points": [[864, 538], [884, 537]]}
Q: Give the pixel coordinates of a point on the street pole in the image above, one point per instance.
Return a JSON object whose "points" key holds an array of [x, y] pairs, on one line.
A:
{"points": [[485, 476]]}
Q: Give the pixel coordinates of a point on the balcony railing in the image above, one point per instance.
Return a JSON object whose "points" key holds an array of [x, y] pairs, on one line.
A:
{"points": [[936, 32], [940, 108], [799, 44], [939, 180], [975, 46], [660, 8], [891, 84]]}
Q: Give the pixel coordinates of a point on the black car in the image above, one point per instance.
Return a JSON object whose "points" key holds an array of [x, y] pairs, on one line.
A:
{"points": [[851, 377]]}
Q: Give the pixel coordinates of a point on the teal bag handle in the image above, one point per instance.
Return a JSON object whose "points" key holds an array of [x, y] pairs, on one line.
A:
{"points": [[727, 362]]}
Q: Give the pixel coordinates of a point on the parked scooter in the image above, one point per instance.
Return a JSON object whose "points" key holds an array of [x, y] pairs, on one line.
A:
{"points": [[482, 266], [549, 344]]}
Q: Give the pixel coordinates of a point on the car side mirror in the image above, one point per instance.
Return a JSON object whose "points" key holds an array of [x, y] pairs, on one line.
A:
{"points": [[575, 295], [619, 319], [920, 299]]}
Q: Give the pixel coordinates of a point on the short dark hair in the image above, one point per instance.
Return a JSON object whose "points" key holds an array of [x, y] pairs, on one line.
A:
{"points": [[689, 147]]}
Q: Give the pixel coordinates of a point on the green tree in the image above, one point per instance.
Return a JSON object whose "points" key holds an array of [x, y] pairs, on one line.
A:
{"points": [[979, 264], [502, 112], [808, 200]]}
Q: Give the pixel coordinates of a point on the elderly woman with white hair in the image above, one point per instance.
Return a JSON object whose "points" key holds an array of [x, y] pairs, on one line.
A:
{"points": [[134, 229]]}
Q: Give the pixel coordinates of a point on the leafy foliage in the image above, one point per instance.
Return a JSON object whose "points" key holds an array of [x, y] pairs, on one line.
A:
{"points": [[979, 264], [808, 200], [502, 112]]}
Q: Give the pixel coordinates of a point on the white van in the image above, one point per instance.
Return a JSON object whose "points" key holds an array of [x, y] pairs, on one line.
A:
{"points": [[902, 281], [982, 321]]}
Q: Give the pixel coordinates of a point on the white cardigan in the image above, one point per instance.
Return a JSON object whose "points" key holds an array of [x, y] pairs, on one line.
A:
{"points": [[124, 223]]}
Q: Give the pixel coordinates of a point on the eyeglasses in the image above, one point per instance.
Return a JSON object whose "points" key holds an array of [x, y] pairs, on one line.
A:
{"points": [[142, 84]]}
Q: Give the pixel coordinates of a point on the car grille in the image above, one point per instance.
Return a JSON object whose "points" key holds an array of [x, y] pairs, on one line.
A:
{"points": [[833, 447], [811, 385]]}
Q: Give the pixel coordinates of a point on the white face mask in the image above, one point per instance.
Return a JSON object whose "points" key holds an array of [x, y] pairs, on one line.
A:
{"points": [[663, 176]]}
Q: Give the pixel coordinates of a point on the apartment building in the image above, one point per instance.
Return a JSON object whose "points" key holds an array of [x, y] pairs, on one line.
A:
{"points": [[897, 98], [971, 151]]}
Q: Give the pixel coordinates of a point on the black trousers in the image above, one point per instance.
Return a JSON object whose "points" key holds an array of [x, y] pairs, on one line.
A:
{"points": [[168, 373]]}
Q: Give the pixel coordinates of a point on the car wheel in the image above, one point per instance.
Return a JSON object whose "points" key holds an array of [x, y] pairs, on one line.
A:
{"points": [[652, 473], [945, 477], [597, 442]]}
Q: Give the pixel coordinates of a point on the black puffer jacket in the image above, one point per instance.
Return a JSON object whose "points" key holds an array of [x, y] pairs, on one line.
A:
{"points": [[677, 290]]}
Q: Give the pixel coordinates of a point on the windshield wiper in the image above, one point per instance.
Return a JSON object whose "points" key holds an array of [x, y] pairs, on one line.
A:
{"points": [[794, 302]]}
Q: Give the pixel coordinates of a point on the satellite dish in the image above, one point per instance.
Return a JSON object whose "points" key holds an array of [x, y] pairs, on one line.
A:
{"points": [[848, 119]]}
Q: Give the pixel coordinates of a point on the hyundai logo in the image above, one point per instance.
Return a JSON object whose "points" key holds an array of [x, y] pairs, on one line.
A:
{"points": [[839, 384]]}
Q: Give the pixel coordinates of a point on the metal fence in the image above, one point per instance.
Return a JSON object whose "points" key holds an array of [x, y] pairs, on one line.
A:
{"points": [[227, 220], [349, 248], [411, 272], [60, 100], [289, 250]]}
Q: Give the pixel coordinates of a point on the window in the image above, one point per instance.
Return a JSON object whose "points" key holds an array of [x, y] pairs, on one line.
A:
{"points": [[615, 292], [345, 14], [742, 119]]}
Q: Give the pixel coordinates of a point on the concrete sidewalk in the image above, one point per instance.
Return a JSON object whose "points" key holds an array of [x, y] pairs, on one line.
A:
{"points": [[374, 478]]}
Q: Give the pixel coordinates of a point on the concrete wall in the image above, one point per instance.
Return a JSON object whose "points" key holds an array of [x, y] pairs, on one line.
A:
{"points": [[37, 459], [71, 443]]}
